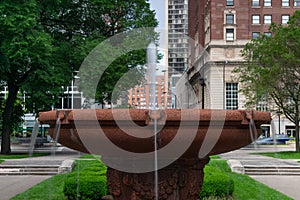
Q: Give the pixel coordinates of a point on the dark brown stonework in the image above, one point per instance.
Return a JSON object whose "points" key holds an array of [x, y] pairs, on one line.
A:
{"points": [[180, 181]]}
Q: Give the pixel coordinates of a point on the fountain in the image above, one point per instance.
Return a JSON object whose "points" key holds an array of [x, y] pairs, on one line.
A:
{"points": [[152, 153], [182, 178]]}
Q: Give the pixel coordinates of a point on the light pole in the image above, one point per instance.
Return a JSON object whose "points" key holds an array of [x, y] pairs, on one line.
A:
{"points": [[202, 83], [224, 84], [279, 113]]}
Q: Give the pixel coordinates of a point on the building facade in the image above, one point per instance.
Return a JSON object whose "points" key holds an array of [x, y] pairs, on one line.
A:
{"points": [[177, 36], [139, 96], [220, 29]]}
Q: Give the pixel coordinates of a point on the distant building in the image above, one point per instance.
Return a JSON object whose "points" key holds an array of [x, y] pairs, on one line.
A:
{"points": [[71, 98], [177, 36], [139, 96]]}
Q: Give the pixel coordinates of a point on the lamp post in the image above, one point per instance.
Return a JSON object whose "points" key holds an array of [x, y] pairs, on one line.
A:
{"points": [[279, 128], [202, 83], [224, 84]]}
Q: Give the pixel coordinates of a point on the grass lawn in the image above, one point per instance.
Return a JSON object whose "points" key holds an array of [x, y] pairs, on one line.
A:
{"points": [[2, 161], [91, 156], [52, 188], [215, 157], [283, 155], [248, 188], [245, 188], [22, 155]]}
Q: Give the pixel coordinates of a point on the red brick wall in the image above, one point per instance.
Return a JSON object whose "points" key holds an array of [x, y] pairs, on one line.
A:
{"points": [[244, 12]]}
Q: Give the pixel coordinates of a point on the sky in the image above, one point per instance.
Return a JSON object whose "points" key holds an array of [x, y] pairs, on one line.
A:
{"points": [[160, 8]]}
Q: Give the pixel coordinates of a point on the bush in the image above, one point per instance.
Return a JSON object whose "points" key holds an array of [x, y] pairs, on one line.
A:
{"points": [[95, 168], [85, 187], [216, 183]]}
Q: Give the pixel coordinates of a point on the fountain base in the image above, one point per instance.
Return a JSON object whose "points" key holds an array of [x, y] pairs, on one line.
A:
{"points": [[179, 181]]}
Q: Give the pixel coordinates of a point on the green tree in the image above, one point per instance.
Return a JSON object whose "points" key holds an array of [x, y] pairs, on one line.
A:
{"points": [[44, 41], [272, 70], [86, 23], [25, 58]]}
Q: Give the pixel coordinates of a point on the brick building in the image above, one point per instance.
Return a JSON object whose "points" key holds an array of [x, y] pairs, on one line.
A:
{"points": [[139, 97], [220, 29]]}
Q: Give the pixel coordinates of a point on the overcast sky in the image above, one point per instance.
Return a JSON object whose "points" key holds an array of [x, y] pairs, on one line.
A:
{"points": [[160, 8]]}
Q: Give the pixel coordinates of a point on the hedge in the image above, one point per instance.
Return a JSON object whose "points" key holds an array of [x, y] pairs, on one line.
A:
{"points": [[89, 183], [85, 187], [216, 183]]}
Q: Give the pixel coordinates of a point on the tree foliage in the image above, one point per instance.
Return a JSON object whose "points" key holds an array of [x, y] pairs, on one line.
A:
{"points": [[271, 72], [44, 41], [87, 23]]}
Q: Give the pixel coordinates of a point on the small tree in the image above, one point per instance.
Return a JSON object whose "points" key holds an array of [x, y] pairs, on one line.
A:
{"points": [[272, 70]]}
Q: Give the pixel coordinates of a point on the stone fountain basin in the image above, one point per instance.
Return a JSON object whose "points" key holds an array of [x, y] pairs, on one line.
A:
{"points": [[223, 130]]}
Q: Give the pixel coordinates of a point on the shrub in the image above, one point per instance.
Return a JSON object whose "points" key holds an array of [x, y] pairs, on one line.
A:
{"points": [[86, 187], [95, 168], [216, 183], [87, 173]]}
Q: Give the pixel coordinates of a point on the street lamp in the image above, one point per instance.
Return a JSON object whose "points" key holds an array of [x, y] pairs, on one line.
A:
{"points": [[202, 83], [279, 113], [224, 84]]}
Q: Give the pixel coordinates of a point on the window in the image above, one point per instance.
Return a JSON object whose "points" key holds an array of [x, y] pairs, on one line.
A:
{"points": [[267, 34], [267, 3], [229, 19], [255, 35], [231, 96], [296, 2], [255, 19], [262, 106], [285, 3], [285, 19], [229, 34], [255, 2], [267, 19], [229, 2], [262, 103]]}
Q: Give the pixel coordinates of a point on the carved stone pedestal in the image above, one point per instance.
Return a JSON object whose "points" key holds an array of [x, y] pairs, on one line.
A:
{"points": [[182, 180]]}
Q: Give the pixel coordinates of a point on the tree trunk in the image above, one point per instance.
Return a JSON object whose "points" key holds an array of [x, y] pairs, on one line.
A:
{"points": [[8, 119], [297, 136]]}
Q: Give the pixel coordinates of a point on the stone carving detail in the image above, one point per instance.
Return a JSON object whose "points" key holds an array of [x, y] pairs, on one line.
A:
{"points": [[229, 53], [181, 180]]}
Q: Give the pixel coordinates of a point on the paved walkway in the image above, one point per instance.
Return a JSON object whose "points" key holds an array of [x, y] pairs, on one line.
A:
{"points": [[13, 185], [288, 185]]}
